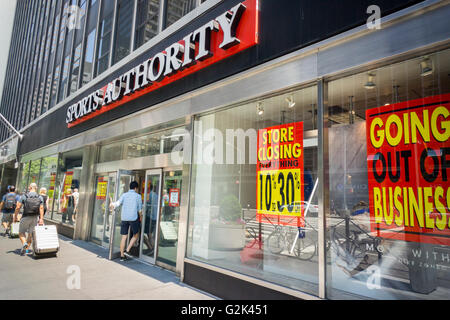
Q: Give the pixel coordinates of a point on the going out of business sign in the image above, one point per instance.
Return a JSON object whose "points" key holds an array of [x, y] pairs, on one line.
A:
{"points": [[279, 178], [228, 34], [408, 154]]}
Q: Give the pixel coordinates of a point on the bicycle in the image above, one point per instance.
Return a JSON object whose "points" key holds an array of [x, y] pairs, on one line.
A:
{"points": [[283, 237], [350, 242]]}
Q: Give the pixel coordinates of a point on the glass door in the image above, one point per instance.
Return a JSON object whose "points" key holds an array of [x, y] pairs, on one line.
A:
{"points": [[150, 215], [123, 181], [102, 218], [170, 216]]}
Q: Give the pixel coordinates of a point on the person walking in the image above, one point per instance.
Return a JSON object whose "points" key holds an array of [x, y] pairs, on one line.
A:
{"points": [[7, 207], [76, 197], [33, 213], [131, 215], [43, 194]]}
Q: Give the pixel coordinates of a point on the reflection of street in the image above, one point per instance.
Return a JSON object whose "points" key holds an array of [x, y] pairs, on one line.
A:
{"points": [[358, 260]]}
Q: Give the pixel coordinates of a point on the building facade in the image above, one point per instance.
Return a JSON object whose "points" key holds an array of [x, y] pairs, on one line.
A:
{"points": [[284, 149]]}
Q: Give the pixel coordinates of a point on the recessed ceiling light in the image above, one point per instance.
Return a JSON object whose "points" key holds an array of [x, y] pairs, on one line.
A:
{"points": [[259, 108], [290, 101], [426, 67]]}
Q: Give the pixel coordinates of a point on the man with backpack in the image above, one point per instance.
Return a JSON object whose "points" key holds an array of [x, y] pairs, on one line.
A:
{"points": [[33, 214], [8, 206]]}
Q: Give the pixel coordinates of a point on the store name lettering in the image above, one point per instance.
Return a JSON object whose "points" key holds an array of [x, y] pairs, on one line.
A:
{"points": [[175, 59]]}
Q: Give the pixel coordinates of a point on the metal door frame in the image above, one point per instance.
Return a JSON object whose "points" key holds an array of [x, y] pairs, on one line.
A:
{"points": [[110, 175], [164, 170], [120, 173], [158, 171]]}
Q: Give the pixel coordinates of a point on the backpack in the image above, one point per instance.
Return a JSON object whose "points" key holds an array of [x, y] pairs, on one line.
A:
{"points": [[32, 204], [10, 201]]}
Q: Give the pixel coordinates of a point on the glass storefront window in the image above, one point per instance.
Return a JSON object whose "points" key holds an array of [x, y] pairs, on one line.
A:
{"points": [[153, 144], [170, 216], [253, 174], [91, 31], [23, 184], [67, 180], [387, 225], [48, 178], [35, 169]]}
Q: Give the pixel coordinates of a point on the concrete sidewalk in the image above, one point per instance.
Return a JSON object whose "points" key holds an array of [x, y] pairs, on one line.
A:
{"points": [[23, 277]]}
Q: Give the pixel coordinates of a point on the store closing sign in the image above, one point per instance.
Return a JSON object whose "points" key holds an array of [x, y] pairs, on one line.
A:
{"points": [[102, 186], [408, 153], [228, 34], [279, 176]]}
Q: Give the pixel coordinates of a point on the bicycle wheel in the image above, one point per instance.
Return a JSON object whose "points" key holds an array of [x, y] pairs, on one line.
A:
{"points": [[348, 248], [305, 248], [275, 242]]}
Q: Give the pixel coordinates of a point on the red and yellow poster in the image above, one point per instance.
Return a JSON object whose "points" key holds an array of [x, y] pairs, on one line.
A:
{"points": [[68, 181], [174, 197], [279, 176], [102, 186], [408, 157]]}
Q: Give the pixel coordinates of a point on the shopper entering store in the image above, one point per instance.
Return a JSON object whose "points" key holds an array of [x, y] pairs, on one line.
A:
{"points": [[33, 213], [8, 206], [131, 203]]}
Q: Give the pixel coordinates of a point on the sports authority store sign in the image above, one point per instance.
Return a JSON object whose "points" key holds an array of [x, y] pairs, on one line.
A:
{"points": [[230, 33]]}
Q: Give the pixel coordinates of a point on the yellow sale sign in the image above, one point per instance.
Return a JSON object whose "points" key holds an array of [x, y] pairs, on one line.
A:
{"points": [[280, 175]]}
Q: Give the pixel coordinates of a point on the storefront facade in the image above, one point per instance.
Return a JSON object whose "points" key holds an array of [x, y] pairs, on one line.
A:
{"points": [[266, 161]]}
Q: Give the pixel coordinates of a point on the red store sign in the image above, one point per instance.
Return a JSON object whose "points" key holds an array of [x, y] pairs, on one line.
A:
{"points": [[230, 33]]}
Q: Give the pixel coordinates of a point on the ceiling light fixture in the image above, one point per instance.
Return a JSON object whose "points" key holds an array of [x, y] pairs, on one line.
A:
{"points": [[290, 101], [370, 84], [426, 67]]}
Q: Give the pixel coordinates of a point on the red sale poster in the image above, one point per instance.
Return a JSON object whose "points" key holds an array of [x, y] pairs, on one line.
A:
{"points": [[408, 157]]}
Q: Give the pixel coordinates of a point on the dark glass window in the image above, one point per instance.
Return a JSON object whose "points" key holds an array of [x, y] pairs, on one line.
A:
{"points": [[55, 86], [123, 29], [147, 19], [75, 69], [64, 79], [104, 36], [76, 58], [89, 44], [178, 8]]}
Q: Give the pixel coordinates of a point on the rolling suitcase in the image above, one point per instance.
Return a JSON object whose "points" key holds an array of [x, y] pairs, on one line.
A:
{"points": [[45, 241], [14, 230]]}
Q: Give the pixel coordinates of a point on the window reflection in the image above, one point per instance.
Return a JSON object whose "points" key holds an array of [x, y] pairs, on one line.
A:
{"points": [[370, 255], [147, 21], [104, 36], [227, 226], [177, 9], [91, 30], [125, 10]]}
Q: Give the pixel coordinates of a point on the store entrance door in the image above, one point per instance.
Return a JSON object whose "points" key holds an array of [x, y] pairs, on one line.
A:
{"points": [[102, 217], [124, 178], [150, 215]]}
